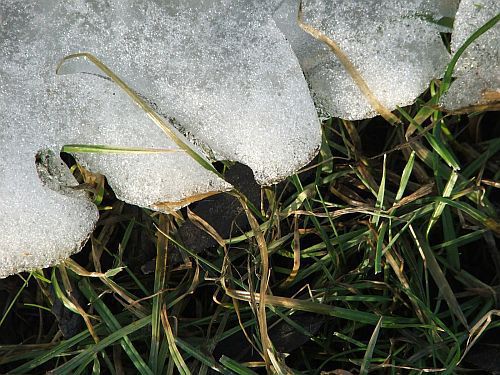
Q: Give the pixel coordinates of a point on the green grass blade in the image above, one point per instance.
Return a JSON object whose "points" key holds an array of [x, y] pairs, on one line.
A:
{"points": [[200, 356], [405, 177], [113, 325], [172, 347], [238, 369], [380, 247], [474, 213], [440, 205], [57, 351], [376, 219], [365, 366], [381, 193], [159, 285], [438, 275], [90, 352], [479, 162], [14, 300], [462, 240], [106, 149], [62, 296], [83, 367], [451, 66], [437, 145]]}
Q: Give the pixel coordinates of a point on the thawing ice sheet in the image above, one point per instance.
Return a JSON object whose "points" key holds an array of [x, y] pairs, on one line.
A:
{"points": [[396, 50], [231, 79], [478, 69]]}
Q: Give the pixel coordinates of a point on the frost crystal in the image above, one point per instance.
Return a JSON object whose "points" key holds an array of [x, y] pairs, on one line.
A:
{"points": [[221, 69], [396, 50], [478, 69]]}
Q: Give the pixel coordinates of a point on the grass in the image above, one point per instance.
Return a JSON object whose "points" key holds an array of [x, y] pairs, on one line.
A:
{"points": [[381, 256]]}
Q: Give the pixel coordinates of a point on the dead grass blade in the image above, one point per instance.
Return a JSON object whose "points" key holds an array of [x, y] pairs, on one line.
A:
{"points": [[172, 347], [478, 329], [206, 227], [170, 207], [296, 255], [264, 258], [349, 67], [79, 310], [159, 285], [108, 149]]}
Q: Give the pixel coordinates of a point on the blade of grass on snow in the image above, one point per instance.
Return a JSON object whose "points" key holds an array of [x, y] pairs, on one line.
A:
{"points": [[451, 66], [107, 149], [167, 128]]}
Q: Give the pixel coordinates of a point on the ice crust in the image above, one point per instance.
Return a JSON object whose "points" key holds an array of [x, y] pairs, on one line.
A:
{"points": [[396, 50], [478, 69], [236, 85], [221, 69]]}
